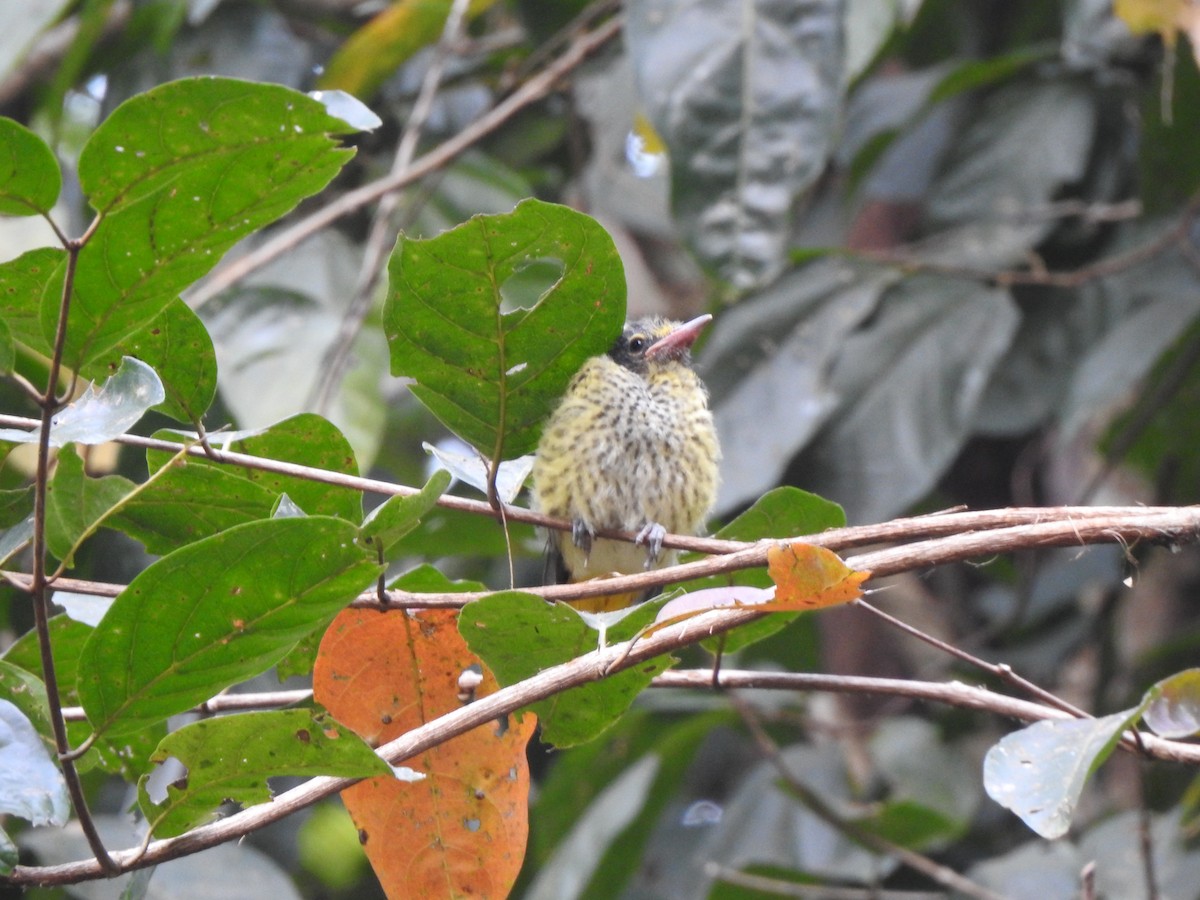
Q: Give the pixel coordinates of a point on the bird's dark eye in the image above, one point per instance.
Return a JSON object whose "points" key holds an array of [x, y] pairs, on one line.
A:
{"points": [[637, 343]]}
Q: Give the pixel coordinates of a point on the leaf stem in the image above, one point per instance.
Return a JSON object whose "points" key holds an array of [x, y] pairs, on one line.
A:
{"points": [[40, 583]]}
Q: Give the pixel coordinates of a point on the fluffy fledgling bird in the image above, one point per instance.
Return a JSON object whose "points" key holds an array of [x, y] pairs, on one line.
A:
{"points": [[631, 446]]}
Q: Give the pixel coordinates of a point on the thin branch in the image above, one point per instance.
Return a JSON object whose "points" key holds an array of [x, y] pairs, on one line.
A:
{"points": [[1067, 526], [943, 875], [1178, 235], [39, 587], [553, 681], [334, 363], [532, 91]]}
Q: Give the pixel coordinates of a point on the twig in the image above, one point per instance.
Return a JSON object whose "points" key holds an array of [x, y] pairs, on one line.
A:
{"points": [[1178, 234], [39, 587], [531, 92], [943, 875], [337, 356]]}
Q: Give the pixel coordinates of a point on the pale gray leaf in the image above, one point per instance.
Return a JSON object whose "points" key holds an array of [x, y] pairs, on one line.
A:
{"points": [[470, 468], [767, 367], [1026, 143], [910, 385], [746, 96], [1039, 772], [31, 785]]}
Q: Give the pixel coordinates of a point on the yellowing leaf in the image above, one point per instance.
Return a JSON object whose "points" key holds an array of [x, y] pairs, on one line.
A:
{"points": [[379, 48], [461, 829], [808, 577]]}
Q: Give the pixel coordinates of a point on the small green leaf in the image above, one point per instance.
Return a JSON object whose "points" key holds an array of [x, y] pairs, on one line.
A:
{"points": [[26, 692], [180, 174], [23, 283], [29, 176], [231, 758], [1174, 707], [9, 855], [101, 415], [1039, 772], [76, 504], [31, 786], [397, 516], [214, 613], [518, 635], [491, 373]]}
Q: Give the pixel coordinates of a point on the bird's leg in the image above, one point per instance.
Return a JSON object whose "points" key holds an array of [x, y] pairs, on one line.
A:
{"points": [[651, 537], [582, 534]]}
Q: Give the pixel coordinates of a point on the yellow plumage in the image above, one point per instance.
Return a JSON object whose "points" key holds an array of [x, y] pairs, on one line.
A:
{"points": [[631, 446]]}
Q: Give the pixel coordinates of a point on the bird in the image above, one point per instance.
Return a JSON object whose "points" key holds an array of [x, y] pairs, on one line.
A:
{"points": [[632, 446]]}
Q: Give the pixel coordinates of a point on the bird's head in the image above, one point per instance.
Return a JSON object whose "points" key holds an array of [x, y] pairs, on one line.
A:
{"points": [[657, 341]]}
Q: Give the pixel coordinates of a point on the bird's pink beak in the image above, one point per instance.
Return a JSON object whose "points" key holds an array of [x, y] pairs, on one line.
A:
{"points": [[679, 341]]}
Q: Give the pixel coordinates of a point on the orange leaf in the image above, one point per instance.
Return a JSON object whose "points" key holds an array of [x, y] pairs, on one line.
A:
{"points": [[461, 830], [808, 577]]}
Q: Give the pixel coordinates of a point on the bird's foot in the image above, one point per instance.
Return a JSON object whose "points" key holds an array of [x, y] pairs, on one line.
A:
{"points": [[651, 537], [582, 534]]}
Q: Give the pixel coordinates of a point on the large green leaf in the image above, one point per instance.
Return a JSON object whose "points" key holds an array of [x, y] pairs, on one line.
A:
{"points": [[231, 758], [179, 175], [201, 498], [494, 317], [214, 613], [747, 96], [29, 175], [517, 635]]}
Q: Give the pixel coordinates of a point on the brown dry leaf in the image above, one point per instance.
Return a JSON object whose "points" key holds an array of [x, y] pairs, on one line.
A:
{"points": [[808, 577], [461, 830]]}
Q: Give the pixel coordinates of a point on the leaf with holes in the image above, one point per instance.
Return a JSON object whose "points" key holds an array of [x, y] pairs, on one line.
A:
{"points": [[493, 318], [461, 819], [231, 758]]}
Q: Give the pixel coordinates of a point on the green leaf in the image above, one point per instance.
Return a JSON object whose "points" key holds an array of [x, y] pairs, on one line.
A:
{"points": [[15, 505], [180, 174], [23, 283], [31, 785], [177, 346], [1174, 708], [76, 504], [397, 516], [29, 176], [26, 692], [489, 374], [1039, 772], [231, 758], [518, 635], [200, 498], [214, 613], [102, 414]]}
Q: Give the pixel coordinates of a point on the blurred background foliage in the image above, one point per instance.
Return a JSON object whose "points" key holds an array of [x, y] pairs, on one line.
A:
{"points": [[951, 250]]}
